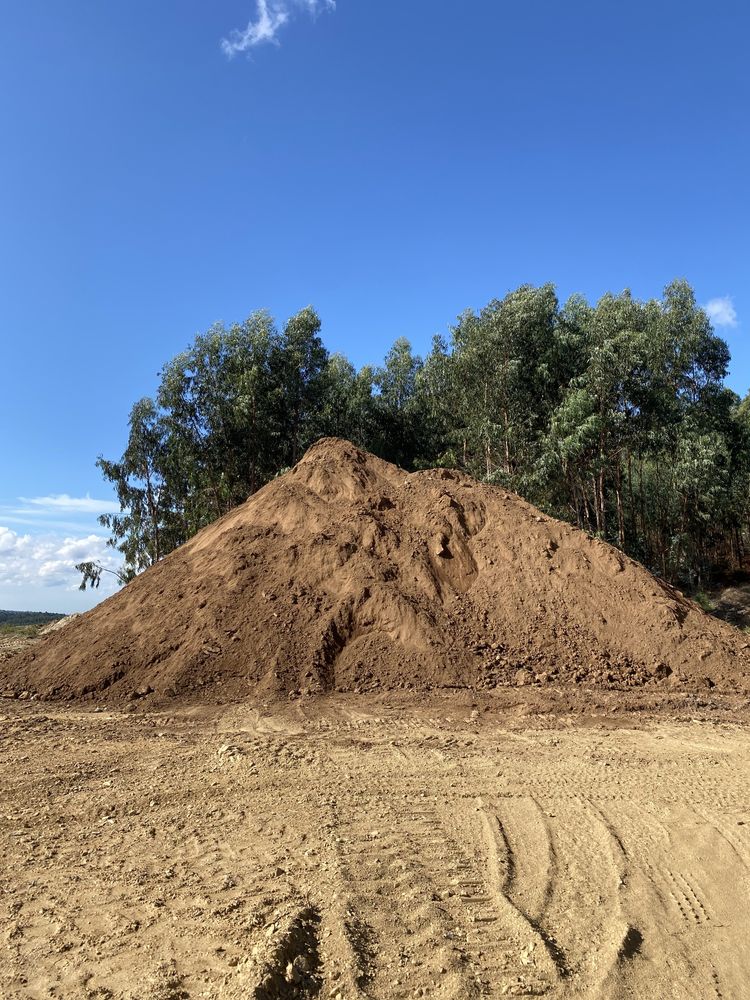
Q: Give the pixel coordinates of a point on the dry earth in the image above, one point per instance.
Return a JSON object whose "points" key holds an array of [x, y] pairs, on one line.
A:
{"points": [[349, 574], [13, 642], [373, 848]]}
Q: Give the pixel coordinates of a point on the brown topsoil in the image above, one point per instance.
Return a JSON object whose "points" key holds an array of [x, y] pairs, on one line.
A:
{"points": [[349, 574]]}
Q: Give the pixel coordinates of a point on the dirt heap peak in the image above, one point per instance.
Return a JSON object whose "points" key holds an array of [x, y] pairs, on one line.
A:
{"points": [[348, 573]]}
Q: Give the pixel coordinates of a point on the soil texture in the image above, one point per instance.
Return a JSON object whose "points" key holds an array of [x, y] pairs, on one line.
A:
{"points": [[363, 849], [348, 574]]}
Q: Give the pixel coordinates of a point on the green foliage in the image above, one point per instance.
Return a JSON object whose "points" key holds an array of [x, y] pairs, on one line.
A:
{"points": [[91, 574], [20, 631], [613, 416], [395, 433], [707, 603], [503, 361]]}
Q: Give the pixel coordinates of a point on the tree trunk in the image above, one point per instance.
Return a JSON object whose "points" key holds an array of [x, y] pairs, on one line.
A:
{"points": [[602, 502], [620, 515], [597, 504]]}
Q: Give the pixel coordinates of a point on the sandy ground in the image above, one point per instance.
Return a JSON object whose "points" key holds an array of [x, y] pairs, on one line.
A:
{"points": [[362, 849]]}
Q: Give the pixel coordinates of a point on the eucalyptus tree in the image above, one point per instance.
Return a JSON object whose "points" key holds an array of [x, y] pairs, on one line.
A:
{"points": [[298, 361], [397, 434], [220, 400], [146, 528], [503, 359], [435, 394], [348, 407], [614, 416]]}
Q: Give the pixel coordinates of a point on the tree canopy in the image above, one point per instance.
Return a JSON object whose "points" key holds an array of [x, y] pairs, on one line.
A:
{"points": [[614, 416]]}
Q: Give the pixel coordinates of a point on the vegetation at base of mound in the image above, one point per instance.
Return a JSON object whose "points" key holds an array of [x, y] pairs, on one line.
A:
{"points": [[16, 636], [613, 416]]}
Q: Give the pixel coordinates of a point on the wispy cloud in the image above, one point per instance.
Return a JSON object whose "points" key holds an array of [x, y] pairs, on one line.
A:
{"points": [[721, 311], [62, 503], [58, 514], [270, 18]]}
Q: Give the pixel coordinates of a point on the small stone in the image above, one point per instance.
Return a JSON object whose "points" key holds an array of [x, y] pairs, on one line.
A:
{"points": [[527, 954]]}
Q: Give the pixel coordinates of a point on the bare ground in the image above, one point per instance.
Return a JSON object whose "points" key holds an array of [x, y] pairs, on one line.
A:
{"points": [[14, 641], [365, 848]]}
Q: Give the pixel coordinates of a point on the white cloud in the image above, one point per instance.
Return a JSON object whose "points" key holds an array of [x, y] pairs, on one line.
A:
{"points": [[721, 311], [62, 502], [49, 560], [56, 514], [270, 18]]}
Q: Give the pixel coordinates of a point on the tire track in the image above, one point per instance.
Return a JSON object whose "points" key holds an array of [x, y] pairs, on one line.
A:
{"points": [[502, 872], [288, 967]]}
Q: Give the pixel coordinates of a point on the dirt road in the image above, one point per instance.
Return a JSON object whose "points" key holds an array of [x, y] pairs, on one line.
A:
{"points": [[356, 849]]}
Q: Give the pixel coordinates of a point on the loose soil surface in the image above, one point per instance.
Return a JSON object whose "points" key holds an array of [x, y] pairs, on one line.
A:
{"points": [[377, 849], [241, 802]]}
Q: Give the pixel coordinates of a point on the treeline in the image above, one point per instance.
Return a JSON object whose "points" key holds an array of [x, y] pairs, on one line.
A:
{"points": [[21, 618], [613, 416]]}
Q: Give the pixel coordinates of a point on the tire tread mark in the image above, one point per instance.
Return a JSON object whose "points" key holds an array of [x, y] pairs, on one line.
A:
{"points": [[556, 963]]}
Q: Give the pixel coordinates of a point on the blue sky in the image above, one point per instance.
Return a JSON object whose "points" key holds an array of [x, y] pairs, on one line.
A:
{"points": [[166, 165]]}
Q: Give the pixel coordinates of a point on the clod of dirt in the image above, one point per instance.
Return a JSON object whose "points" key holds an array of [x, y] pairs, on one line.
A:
{"points": [[165, 984], [348, 573]]}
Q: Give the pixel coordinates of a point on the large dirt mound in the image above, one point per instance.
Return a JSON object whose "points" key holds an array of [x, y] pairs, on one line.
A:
{"points": [[348, 573]]}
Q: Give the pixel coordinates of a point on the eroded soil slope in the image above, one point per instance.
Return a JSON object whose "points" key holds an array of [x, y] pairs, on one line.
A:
{"points": [[349, 574]]}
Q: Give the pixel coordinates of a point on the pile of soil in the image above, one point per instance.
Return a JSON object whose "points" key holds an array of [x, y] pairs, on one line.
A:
{"points": [[348, 573]]}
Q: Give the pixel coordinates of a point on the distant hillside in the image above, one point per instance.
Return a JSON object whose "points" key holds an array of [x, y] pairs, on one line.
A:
{"points": [[29, 617]]}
